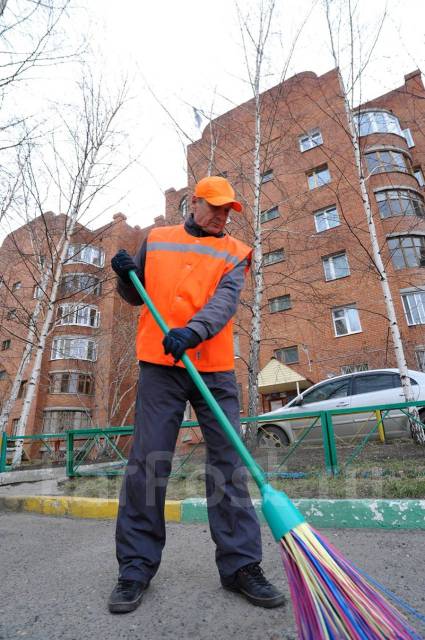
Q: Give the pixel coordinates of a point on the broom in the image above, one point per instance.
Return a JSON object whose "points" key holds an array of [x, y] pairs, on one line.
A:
{"points": [[331, 599]]}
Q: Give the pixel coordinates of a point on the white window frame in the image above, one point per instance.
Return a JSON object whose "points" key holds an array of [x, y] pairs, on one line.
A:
{"points": [[418, 307], [392, 123], [63, 348], [353, 368], [184, 206], [310, 140], [327, 214], [418, 173], [86, 254], [346, 319], [267, 261], [37, 292], [62, 413], [269, 214], [80, 314], [407, 134], [314, 179], [282, 351], [267, 176], [275, 303], [236, 346], [329, 266], [420, 357], [386, 195], [93, 289]]}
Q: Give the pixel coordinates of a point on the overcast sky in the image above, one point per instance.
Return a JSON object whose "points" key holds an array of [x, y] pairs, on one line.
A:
{"points": [[190, 53]]}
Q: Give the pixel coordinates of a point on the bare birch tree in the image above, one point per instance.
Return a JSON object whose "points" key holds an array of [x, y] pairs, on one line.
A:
{"points": [[82, 168], [416, 429]]}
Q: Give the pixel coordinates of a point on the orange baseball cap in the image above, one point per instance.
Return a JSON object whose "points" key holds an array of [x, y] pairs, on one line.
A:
{"points": [[217, 191]]}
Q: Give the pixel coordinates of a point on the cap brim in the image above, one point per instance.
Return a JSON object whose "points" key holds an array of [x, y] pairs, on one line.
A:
{"points": [[219, 201]]}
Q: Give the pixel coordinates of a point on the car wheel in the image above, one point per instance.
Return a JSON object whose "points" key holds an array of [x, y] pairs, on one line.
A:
{"points": [[271, 437]]}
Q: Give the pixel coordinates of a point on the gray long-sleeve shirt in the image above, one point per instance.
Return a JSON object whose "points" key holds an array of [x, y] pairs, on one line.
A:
{"points": [[219, 309]]}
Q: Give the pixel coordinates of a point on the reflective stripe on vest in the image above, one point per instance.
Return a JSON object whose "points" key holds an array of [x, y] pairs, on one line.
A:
{"points": [[181, 274]]}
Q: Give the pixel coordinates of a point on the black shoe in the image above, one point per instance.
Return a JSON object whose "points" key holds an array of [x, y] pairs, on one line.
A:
{"points": [[251, 582], [126, 596]]}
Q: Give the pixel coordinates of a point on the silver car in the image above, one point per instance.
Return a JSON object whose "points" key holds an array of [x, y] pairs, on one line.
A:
{"points": [[362, 389]]}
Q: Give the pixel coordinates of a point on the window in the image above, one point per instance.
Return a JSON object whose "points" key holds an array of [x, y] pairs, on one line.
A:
{"points": [[387, 160], [352, 368], [22, 388], [37, 293], [78, 282], [16, 286], [80, 314], [407, 251], [346, 320], [270, 214], [326, 219], [310, 140], [267, 176], [420, 358], [287, 355], [183, 206], [11, 314], [5, 345], [236, 346], [327, 391], [318, 177], [42, 261], [419, 176], [375, 382], [336, 266], [399, 202], [280, 303], [409, 138], [414, 307], [377, 122], [15, 425], [273, 256], [58, 420], [79, 348], [85, 253], [71, 382], [3, 374]]}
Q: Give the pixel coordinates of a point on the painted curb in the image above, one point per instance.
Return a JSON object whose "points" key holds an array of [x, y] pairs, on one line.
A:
{"points": [[339, 514], [353, 514], [76, 507]]}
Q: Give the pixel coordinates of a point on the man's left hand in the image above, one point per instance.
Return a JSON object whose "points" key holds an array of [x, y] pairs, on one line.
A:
{"points": [[178, 340]]}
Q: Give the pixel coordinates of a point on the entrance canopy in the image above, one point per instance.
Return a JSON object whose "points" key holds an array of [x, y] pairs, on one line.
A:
{"points": [[276, 376]]}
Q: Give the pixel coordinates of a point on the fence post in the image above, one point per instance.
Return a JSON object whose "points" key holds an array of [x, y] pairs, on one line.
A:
{"points": [[381, 428], [70, 454], [3, 451], [329, 446]]}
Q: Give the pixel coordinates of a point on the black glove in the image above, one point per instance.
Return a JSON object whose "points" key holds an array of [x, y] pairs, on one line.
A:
{"points": [[178, 340], [122, 263]]}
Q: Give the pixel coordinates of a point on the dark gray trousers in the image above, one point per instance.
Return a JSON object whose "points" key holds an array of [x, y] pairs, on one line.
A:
{"points": [[140, 532]]}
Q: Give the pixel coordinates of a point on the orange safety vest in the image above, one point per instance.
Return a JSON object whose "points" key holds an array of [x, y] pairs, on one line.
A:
{"points": [[181, 274]]}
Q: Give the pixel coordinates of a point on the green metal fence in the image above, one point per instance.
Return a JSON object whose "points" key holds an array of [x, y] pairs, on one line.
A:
{"points": [[104, 451]]}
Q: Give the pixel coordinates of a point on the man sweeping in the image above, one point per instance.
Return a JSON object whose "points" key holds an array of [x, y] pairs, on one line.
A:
{"points": [[194, 274]]}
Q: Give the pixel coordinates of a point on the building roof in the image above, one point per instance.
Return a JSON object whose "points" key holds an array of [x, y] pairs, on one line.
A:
{"points": [[276, 376]]}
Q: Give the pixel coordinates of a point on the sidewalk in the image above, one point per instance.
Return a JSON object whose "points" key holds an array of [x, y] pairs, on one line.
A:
{"points": [[57, 575]]}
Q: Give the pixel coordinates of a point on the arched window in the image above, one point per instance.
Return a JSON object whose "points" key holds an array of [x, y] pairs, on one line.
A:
{"points": [[183, 206]]}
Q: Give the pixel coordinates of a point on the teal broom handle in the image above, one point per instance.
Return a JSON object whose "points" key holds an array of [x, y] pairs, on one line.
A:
{"points": [[225, 424]]}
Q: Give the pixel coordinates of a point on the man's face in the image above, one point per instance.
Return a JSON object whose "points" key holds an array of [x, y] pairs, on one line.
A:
{"points": [[210, 218]]}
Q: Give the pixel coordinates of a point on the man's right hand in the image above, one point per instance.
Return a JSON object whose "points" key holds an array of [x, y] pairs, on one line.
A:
{"points": [[122, 263]]}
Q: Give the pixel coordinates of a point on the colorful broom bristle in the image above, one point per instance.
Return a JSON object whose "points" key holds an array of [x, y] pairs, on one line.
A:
{"points": [[331, 599]]}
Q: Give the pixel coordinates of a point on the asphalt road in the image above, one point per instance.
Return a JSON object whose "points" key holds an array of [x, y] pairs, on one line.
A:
{"points": [[56, 575]]}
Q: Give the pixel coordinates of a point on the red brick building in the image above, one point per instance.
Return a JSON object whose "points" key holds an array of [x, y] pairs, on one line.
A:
{"points": [[323, 310]]}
